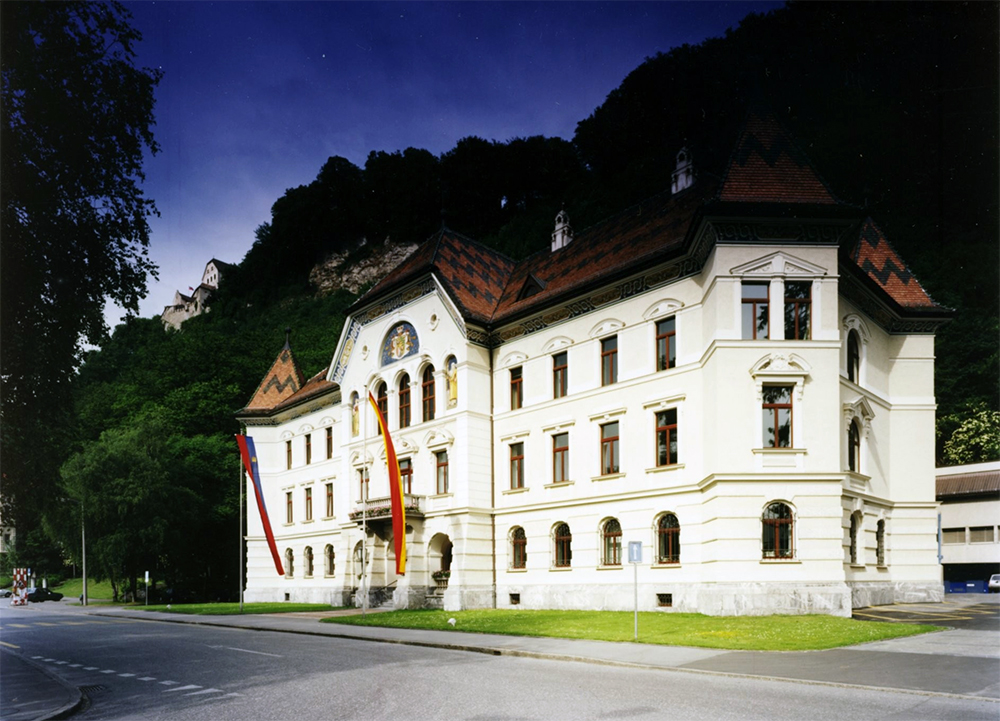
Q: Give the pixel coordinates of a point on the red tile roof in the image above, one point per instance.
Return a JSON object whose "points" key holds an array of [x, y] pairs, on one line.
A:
{"points": [[880, 261], [315, 386], [768, 167], [472, 274], [627, 242], [281, 383]]}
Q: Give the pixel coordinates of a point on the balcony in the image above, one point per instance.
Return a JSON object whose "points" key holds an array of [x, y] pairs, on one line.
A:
{"points": [[378, 509]]}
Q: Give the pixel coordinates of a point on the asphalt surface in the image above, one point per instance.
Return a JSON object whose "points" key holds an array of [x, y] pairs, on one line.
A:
{"points": [[934, 671], [969, 613]]}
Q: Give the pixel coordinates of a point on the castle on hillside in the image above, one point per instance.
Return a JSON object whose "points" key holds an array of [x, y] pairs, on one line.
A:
{"points": [[734, 377], [188, 306]]}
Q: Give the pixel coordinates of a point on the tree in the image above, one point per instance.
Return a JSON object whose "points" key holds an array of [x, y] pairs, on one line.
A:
{"points": [[976, 440], [78, 115]]}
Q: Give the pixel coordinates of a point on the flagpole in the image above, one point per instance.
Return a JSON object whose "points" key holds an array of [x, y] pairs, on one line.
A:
{"points": [[239, 576], [364, 510]]}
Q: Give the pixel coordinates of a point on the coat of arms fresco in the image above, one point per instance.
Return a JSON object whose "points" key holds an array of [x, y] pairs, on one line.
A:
{"points": [[400, 342]]}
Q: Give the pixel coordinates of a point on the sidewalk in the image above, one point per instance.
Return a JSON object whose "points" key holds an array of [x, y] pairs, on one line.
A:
{"points": [[954, 662], [30, 693]]}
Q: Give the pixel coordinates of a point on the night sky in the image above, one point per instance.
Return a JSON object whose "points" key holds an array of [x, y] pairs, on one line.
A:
{"points": [[256, 96]]}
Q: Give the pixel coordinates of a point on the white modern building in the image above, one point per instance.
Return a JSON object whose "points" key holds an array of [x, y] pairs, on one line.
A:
{"points": [[737, 374], [970, 508]]}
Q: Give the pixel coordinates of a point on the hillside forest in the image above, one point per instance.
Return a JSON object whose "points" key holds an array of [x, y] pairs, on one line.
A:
{"points": [[895, 104]]}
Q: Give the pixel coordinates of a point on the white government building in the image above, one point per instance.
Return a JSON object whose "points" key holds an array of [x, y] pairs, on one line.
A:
{"points": [[737, 373]]}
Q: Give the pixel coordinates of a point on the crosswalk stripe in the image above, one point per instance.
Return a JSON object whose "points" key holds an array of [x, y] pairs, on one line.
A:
{"points": [[107, 670], [199, 693], [75, 665], [19, 625], [169, 683], [146, 678], [182, 688], [126, 675], [44, 623], [90, 668]]}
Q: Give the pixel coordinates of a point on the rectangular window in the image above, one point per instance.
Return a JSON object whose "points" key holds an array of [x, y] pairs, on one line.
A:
{"points": [[329, 500], [560, 458], [289, 515], [755, 310], [797, 310], [329, 442], [666, 344], [288, 455], [441, 458], [952, 535], [609, 360], [406, 474], [777, 416], [981, 534], [516, 392], [309, 448], [363, 484], [665, 600], [404, 403], [560, 374], [309, 504], [609, 448], [666, 437], [517, 465]]}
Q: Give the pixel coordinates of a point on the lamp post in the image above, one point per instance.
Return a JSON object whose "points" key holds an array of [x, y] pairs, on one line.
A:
{"points": [[83, 547]]}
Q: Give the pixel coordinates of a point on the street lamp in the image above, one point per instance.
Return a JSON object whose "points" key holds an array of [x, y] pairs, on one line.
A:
{"points": [[83, 547]]}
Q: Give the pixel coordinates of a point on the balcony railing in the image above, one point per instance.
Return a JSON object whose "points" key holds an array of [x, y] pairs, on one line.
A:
{"points": [[378, 508]]}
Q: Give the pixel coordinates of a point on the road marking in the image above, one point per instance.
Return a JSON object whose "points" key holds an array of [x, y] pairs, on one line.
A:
{"points": [[147, 678], [169, 683], [228, 695], [48, 659], [126, 675], [199, 693], [61, 663], [90, 668], [246, 650], [74, 623], [107, 670], [19, 625], [75, 665], [8, 645], [182, 688], [43, 623], [36, 656]]}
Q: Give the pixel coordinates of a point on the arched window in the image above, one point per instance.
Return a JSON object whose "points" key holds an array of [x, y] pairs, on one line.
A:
{"points": [[309, 561], [404, 401], [382, 399], [855, 527], [668, 539], [564, 546], [330, 559], [776, 539], [880, 543], [853, 356], [427, 389], [854, 447], [611, 543], [518, 548], [289, 563]]}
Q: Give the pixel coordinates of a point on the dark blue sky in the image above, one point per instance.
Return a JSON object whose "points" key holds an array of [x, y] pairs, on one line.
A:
{"points": [[256, 96]]}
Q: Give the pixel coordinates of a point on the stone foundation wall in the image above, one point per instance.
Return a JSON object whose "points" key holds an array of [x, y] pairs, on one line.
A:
{"points": [[886, 592]]}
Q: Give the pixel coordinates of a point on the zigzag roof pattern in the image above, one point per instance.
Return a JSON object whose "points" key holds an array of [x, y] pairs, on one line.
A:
{"points": [[876, 257], [281, 382], [767, 166]]}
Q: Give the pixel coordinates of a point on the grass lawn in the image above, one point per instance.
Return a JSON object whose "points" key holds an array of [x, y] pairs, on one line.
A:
{"points": [[73, 587], [232, 609], [751, 633]]}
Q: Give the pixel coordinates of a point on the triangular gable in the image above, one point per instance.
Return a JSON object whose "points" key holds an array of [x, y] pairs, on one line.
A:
{"points": [[879, 260], [779, 263], [281, 382], [531, 286], [768, 167]]}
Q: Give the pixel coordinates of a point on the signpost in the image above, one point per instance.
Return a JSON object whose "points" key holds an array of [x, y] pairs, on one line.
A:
{"points": [[635, 558], [147, 588]]}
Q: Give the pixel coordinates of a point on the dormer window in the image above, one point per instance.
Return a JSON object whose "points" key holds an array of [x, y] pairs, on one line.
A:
{"points": [[683, 175], [531, 286]]}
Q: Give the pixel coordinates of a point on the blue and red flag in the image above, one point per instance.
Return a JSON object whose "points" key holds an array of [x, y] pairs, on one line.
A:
{"points": [[249, 454], [395, 491]]}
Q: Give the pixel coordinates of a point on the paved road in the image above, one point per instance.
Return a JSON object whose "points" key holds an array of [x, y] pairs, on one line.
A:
{"points": [[136, 669], [966, 611]]}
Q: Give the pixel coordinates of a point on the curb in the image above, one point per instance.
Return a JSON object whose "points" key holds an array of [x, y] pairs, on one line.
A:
{"points": [[519, 653], [65, 711]]}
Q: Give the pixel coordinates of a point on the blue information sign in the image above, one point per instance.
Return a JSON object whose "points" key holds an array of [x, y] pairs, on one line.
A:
{"points": [[635, 551]]}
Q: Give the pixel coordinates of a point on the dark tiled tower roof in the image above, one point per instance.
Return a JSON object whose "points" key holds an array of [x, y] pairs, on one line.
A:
{"points": [[281, 382], [876, 257]]}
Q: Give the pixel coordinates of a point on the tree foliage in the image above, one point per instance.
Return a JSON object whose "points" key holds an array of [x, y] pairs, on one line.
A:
{"points": [[77, 119], [976, 440]]}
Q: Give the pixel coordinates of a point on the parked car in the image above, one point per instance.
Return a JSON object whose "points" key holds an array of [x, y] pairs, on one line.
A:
{"points": [[5, 593], [37, 595], [994, 585]]}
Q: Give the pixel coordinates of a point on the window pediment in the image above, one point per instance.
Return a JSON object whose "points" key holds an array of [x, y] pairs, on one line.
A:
{"points": [[855, 322], [606, 327], [662, 307], [513, 359], [557, 343], [438, 438], [862, 410], [780, 264], [788, 368]]}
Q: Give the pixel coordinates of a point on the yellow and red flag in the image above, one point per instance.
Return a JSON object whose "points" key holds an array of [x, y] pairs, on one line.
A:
{"points": [[395, 491]]}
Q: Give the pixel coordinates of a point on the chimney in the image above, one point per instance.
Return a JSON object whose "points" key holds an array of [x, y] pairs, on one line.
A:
{"points": [[683, 175], [563, 233]]}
